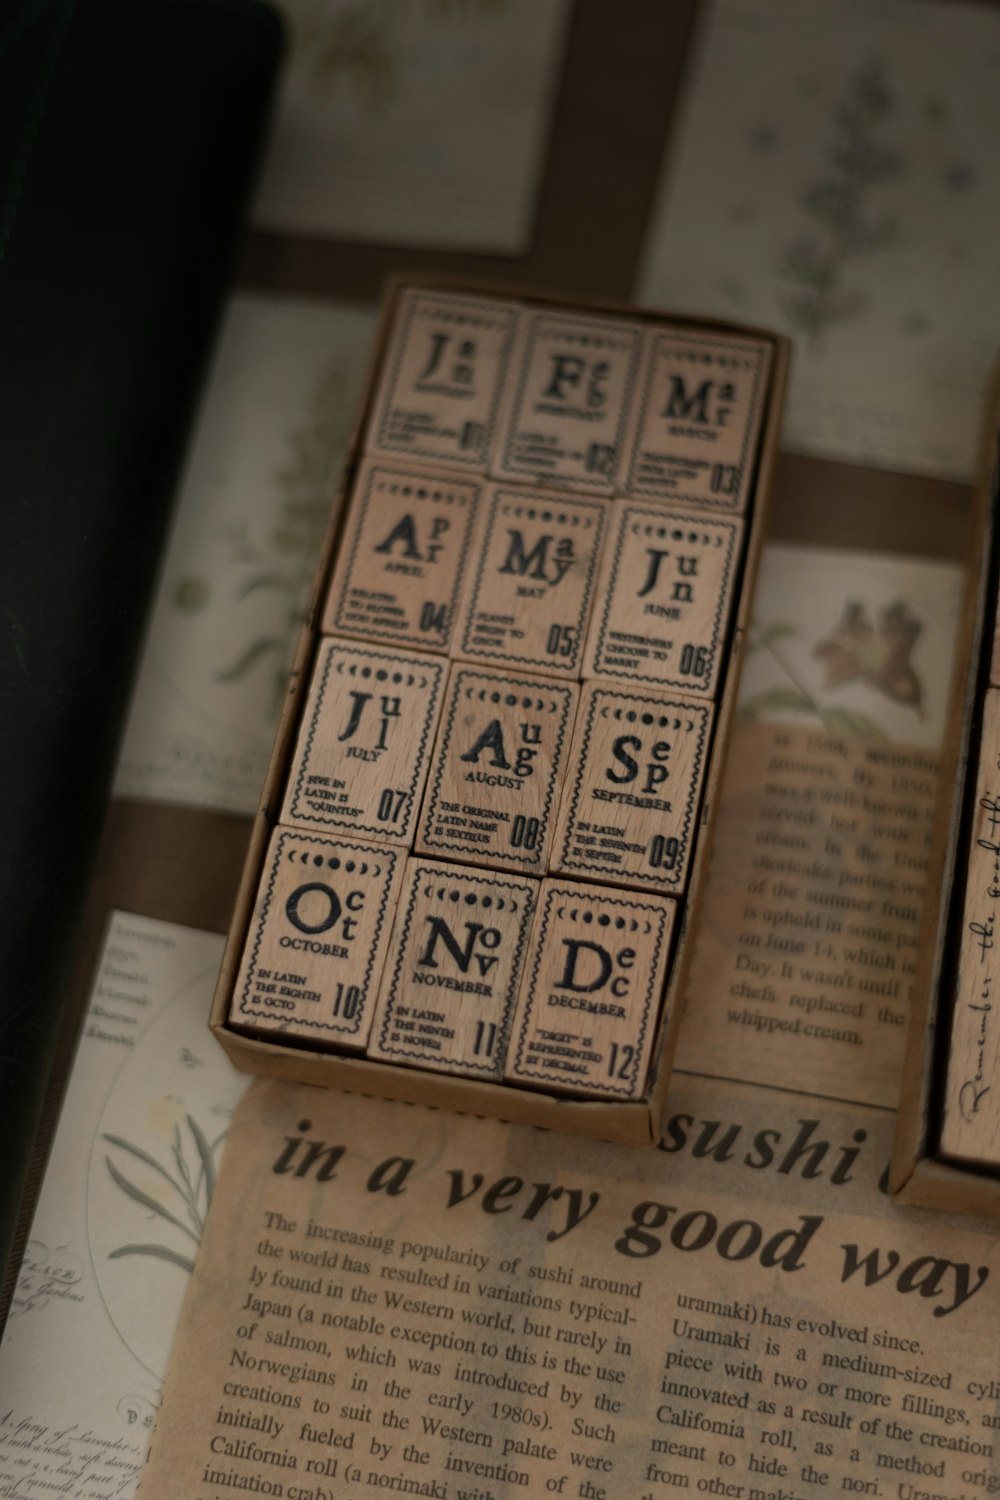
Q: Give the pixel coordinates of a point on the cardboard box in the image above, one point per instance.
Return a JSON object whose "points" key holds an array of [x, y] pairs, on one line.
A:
{"points": [[922, 1172], [637, 1120]]}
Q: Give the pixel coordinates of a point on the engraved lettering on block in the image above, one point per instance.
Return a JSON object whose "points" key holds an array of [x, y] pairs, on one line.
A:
{"points": [[698, 420], [444, 373], [590, 1001], [664, 596], [317, 939], [364, 743], [570, 402], [403, 557], [630, 803], [454, 969], [529, 598], [497, 769]]}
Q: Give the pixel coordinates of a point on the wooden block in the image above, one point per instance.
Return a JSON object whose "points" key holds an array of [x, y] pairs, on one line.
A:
{"points": [[589, 1005], [497, 769], [364, 743], [317, 939], [443, 378], [971, 1122], [454, 969], [664, 597], [403, 557], [570, 402], [698, 420], [629, 811], [528, 600]]}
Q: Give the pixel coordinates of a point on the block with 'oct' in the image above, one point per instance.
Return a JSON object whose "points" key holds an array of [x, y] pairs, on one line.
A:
{"points": [[317, 939]]}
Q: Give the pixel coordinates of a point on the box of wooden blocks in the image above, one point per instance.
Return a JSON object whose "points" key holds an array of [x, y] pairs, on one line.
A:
{"points": [[474, 875], [947, 1145]]}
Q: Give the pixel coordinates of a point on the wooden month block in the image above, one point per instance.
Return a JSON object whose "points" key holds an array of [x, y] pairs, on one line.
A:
{"points": [[570, 403], [403, 557], [497, 769], [971, 1117], [364, 742], [629, 811], [698, 419], [663, 598], [317, 939], [527, 603], [590, 1000], [454, 969], [439, 397]]}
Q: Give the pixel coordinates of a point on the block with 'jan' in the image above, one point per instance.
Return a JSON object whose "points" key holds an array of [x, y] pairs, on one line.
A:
{"points": [[317, 939], [364, 743], [439, 397], [454, 968], [590, 999], [497, 769], [664, 598], [528, 599], [631, 797], [571, 395], [698, 420], [404, 556]]}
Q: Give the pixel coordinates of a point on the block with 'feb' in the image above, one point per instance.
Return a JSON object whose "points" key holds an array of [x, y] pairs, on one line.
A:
{"points": [[439, 396], [404, 556], [317, 939], [664, 598], [453, 971], [497, 769], [698, 420], [632, 793], [364, 743], [569, 406], [529, 595], [590, 999]]}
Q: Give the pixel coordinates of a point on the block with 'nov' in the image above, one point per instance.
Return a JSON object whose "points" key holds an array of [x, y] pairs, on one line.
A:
{"points": [[497, 769], [590, 1000], [528, 598], [317, 940], [698, 420], [364, 744], [631, 797], [439, 397], [570, 404], [664, 598], [404, 556], [454, 968]]}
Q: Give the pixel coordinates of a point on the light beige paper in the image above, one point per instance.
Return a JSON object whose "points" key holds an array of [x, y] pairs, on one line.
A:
{"points": [[390, 1300], [127, 1188]]}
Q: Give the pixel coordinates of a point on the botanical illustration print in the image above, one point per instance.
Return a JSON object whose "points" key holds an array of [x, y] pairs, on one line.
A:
{"points": [[252, 511], [833, 178], [420, 122], [856, 650], [189, 1187], [856, 643]]}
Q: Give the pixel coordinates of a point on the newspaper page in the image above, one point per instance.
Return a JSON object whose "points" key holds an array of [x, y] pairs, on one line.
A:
{"points": [[393, 1299]]}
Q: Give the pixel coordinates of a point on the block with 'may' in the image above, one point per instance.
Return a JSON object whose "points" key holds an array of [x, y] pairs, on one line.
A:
{"points": [[590, 1001], [497, 769], [529, 595], [454, 968]]}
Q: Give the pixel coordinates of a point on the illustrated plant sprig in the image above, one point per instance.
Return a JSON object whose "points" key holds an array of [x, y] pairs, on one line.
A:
{"points": [[193, 1187]]}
